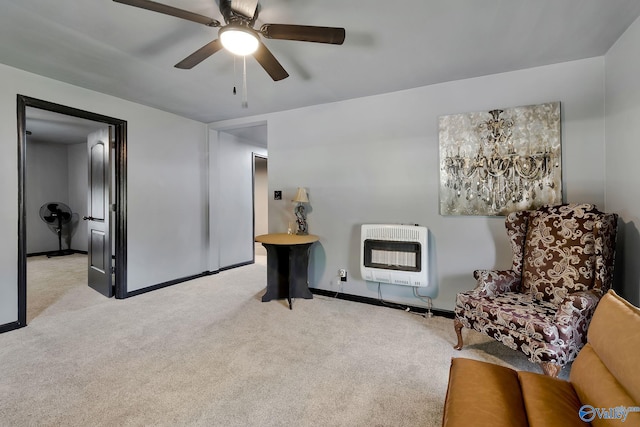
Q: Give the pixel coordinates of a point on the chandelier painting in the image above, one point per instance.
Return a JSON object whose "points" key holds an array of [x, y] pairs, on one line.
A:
{"points": [[500, 161]]}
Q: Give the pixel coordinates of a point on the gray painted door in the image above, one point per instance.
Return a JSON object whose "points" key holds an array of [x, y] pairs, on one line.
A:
{"points": [[98, 219]]}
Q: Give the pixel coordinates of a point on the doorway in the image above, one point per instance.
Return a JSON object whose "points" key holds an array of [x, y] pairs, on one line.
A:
{"points": [[118, 207]]}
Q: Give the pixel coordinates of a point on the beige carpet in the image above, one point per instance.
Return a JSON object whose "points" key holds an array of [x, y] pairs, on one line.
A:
{"points": [[56, 280], [210, 353]]}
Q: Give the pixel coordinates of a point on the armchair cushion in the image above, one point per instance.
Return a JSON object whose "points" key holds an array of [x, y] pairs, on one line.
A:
{"points": [[559, 251], [511, 311]]}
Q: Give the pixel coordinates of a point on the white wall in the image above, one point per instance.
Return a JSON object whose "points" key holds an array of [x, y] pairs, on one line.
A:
{"points": [[375, 159], [78, 190], [47, 181], [166, 198], [167, 223], [622, 154], [55, 173]]}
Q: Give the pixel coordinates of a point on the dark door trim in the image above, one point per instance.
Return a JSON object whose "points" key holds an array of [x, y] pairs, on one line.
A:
{"points": [[120, 228], [254, 156]]}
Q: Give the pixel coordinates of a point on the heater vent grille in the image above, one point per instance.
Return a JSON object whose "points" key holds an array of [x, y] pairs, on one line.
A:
{"points": [[398, 233], [394, 254]]}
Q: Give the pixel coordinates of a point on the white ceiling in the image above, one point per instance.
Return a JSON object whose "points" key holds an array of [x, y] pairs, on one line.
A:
{"points": [[390, 45], [54, 128]]}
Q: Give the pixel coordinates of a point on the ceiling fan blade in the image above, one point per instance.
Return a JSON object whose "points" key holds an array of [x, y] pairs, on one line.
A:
{"points": [[304, 33], [245, 7], [270, 63], [200, 55], [171, 11]]}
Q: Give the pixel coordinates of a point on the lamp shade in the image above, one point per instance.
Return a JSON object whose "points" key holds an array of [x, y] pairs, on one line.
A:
{"points": [[301, 196]]}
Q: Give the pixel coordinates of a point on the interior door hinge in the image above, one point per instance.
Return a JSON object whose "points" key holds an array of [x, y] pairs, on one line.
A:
{"points": [[113, 269]]}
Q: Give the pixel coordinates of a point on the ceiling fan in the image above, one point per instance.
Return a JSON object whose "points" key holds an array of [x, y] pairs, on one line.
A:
{"points": [[239, 36]]}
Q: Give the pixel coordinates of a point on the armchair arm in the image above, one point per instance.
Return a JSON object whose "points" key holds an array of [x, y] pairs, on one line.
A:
{"points": [[574, 316], [494, 282]]}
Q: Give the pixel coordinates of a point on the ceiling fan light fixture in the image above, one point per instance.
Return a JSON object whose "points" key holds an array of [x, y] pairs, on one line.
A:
{"points": [[238, 40], [239, 36]]}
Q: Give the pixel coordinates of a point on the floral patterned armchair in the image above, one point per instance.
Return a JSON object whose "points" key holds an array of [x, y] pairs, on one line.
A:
{"points": [[562, 265]]}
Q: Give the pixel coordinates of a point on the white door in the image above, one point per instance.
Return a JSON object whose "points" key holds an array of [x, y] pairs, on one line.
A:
{"points": [[98, 217]]}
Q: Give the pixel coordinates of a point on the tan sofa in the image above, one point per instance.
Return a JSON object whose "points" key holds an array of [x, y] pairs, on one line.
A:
{"points": [[603, 386]]}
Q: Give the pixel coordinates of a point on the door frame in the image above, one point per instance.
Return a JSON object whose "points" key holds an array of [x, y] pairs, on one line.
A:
{"points": [[255, 156], [120, 223]]}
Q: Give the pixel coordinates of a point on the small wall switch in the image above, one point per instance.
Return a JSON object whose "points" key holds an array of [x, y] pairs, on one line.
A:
{"points": [[277, 195]]}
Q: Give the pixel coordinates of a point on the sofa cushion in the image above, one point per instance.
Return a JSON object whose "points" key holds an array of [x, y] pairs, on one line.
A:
{"points": [[514, 311], [614, 335], [483, 394], [559, 251], [595, 386], [605, 374], [549, 402]]}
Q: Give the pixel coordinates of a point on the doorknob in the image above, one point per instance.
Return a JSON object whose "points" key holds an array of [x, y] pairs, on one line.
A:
{"points": [[88, 218]]}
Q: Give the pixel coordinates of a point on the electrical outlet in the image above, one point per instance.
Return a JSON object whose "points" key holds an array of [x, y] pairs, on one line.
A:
{"points": [[343, 274]]}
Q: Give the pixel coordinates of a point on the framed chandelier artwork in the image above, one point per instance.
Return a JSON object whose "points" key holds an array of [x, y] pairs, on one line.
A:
{"points": [[499, 161]]}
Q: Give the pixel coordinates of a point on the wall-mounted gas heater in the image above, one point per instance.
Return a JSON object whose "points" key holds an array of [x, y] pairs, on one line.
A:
{"points": [[396, 254]]}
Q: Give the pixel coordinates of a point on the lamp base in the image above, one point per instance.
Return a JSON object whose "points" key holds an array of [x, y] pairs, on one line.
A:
{"points": [[301, 220]]}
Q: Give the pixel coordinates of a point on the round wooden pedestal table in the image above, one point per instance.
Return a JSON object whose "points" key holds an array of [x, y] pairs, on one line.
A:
{"points": [[287, 265]]}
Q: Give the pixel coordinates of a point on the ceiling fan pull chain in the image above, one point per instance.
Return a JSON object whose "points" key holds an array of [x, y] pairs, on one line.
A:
{"points": [[245, 103], [234, 74]]}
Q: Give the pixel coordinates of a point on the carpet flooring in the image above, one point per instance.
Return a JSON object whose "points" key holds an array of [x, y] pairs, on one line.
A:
{"points": [[209, 353]]}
